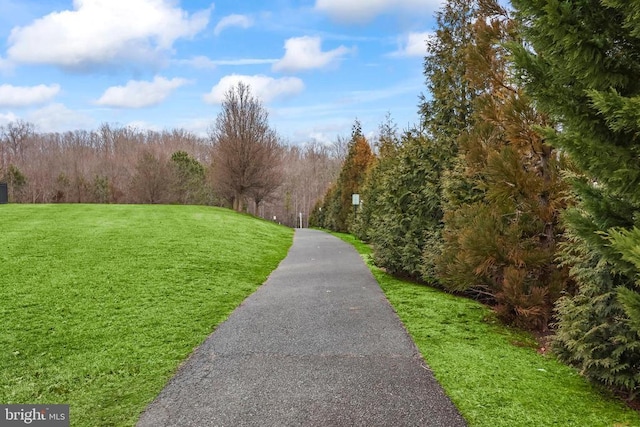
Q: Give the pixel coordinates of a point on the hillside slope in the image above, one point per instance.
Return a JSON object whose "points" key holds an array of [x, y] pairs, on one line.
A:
{"points": [[101, 303]]}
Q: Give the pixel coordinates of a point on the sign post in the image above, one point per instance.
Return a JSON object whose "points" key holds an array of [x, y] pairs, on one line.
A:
{"points": [[355, 201]]}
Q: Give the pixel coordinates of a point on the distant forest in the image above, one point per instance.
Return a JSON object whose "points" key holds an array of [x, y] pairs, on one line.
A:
{"points": [[116, 164]]}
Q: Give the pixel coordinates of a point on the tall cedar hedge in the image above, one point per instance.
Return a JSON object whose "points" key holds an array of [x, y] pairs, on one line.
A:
{"points": [[583, 67], [487, 164]]}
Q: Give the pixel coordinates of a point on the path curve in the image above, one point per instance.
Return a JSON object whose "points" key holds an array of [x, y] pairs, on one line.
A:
{"points": [[317, 345]]}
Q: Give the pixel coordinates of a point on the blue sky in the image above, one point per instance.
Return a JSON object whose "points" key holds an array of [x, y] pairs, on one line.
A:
{"points": [[162, 64]]}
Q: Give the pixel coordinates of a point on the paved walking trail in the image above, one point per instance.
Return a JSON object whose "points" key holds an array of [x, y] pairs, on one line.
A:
{"points": [[317, 345]]}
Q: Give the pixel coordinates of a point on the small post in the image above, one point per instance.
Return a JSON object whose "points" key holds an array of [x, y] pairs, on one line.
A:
{"points": [[4, 193], [355, 201]]}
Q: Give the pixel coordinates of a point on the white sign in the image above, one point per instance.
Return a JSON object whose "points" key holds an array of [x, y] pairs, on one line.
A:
{"points": [[355, 199]]}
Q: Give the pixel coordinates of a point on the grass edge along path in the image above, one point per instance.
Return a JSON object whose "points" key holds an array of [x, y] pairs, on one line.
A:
{"points": [[100, 304], [493, 373]]}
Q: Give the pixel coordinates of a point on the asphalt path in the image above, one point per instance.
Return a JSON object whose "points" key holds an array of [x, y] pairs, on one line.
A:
{"points": [[317, 345]]}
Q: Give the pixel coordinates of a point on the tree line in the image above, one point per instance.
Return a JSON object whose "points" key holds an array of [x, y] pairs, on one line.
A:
{"points": [[242, 164], [520, 185]]}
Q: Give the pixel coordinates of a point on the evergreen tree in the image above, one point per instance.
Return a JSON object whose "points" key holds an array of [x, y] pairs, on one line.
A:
{"points": [[387, 145], [337, 209], [408, 205], [500, 237], [16, 181], [447, 113], [582, 67], [188, 179], [327, 211]]}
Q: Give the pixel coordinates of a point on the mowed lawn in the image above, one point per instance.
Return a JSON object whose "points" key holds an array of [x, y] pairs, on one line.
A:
{"points": [[493, 373], [99, 304]]}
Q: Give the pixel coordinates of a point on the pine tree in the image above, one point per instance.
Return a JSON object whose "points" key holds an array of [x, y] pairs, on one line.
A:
{"points": [[582, 66]]}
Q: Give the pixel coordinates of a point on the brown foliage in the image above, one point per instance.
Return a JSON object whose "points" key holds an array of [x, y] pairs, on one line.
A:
{"points": [[502, 241]]}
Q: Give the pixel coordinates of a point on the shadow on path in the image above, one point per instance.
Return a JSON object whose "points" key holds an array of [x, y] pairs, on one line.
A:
{"points": [[317, 345]]}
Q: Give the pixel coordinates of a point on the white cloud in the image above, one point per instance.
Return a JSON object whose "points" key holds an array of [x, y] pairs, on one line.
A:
{"points": [[241, 21], [6, 118], [244, 61], [413, 44], [321, 137], [305, 53], [139, 94], [263, 87], [23, 96], [99, 32], [360, 11], [58, 118], [202, 62], [198, 125]]}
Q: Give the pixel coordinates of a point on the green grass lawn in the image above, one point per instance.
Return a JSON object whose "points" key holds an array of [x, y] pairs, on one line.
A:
{"points": [[492, 373], [99, 304]]}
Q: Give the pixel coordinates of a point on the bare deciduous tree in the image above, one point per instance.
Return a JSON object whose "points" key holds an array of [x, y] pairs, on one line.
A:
{"points": [[151, 180], [16, 135], [247, 152], [340, 148]]}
